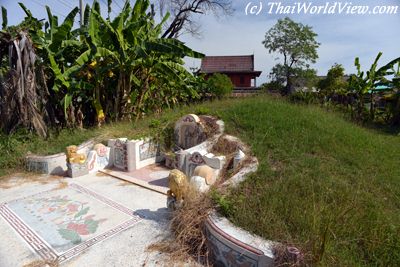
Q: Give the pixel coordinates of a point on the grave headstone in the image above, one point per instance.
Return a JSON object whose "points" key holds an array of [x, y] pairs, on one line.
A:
{"points": [[120, 153], [189, 132]]}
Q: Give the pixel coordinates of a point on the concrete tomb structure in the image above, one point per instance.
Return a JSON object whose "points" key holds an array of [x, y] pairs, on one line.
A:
{"points": [[199, 169], [202, 152], [130, 155], [76, 162], [189, 132], [193, 147], [99, 158], [122, 154]]}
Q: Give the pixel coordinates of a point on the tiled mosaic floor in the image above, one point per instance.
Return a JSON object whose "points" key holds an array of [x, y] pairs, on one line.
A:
{"points": [[60, 224]]}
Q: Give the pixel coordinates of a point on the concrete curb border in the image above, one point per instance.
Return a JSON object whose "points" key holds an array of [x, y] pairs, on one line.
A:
{"points": [[53, 164], [232, 246]]}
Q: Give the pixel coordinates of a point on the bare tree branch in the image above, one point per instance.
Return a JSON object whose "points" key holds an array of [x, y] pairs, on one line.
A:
{"points": [[183, 14]]}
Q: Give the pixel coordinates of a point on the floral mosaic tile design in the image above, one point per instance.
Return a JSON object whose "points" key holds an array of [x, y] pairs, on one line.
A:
{"points": [[60, 224]]}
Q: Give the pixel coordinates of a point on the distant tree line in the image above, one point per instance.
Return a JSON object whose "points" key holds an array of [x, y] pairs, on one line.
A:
{"points": [[372, 95]]}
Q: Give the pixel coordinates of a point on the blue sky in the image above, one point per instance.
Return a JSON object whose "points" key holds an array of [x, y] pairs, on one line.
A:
{"points": [[342, 37]]}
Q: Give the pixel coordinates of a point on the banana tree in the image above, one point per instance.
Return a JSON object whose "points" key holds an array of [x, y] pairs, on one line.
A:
{"points": [[135, 54], [393, 99], [57, 47], [364, 85]]}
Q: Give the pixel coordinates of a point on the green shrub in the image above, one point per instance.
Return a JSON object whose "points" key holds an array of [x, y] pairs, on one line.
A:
{"points": [[303, 97], [273, 86], [220, 85], [202, 111]]}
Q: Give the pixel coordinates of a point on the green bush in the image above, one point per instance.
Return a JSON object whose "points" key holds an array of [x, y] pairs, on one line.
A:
{"points": [[220, 85], [273, 86], [304, 97]]}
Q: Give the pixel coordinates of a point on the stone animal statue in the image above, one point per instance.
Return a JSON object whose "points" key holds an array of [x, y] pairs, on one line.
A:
{"points": [[74, 157], [178, 185]]}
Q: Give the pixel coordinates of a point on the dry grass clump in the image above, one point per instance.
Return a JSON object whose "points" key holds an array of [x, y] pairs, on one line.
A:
{"points": [[228, 146], [225, 146], [188, 229], [210, 125], [288, 256]]}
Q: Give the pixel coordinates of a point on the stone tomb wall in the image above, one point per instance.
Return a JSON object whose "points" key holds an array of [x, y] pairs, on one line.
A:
{"points": [[53, 164], [99, 158], [129, 155]]}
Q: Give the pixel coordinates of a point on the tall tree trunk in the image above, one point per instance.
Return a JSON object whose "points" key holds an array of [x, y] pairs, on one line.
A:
{"points": [[289, 86], [117, 102], [140, 99]]}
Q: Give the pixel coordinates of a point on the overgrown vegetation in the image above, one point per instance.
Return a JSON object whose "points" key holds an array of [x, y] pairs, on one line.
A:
{"points": [[370, 96], [187, 226], [105, 70]]}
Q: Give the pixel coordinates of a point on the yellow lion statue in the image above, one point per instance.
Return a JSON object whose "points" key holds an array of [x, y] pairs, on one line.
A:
{"points": [[178, 185], [74, 157]]}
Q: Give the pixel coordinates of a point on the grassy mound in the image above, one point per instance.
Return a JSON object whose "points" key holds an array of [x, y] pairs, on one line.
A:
{"points": [[324, 184]]}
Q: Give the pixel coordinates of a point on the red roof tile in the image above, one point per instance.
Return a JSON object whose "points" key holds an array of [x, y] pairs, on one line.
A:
{"points": [[211, 64]]}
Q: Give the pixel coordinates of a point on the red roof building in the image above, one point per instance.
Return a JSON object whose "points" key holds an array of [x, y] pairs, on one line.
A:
{"points": [[240, 69]]}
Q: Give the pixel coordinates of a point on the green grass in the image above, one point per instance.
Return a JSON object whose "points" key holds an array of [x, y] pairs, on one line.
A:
{"points": [[324, 184]]}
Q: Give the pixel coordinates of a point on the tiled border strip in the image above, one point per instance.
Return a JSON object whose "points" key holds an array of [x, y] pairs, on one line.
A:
{"points": [[31, 238], [239, 252]]}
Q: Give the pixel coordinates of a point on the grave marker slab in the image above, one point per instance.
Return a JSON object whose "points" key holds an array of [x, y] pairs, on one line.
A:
{"points": [[189, 132]]}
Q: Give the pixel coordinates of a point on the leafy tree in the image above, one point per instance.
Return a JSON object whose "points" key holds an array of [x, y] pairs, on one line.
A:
{"points": [[144, 69], [334, 83], [296, 43], [220, 85]]}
